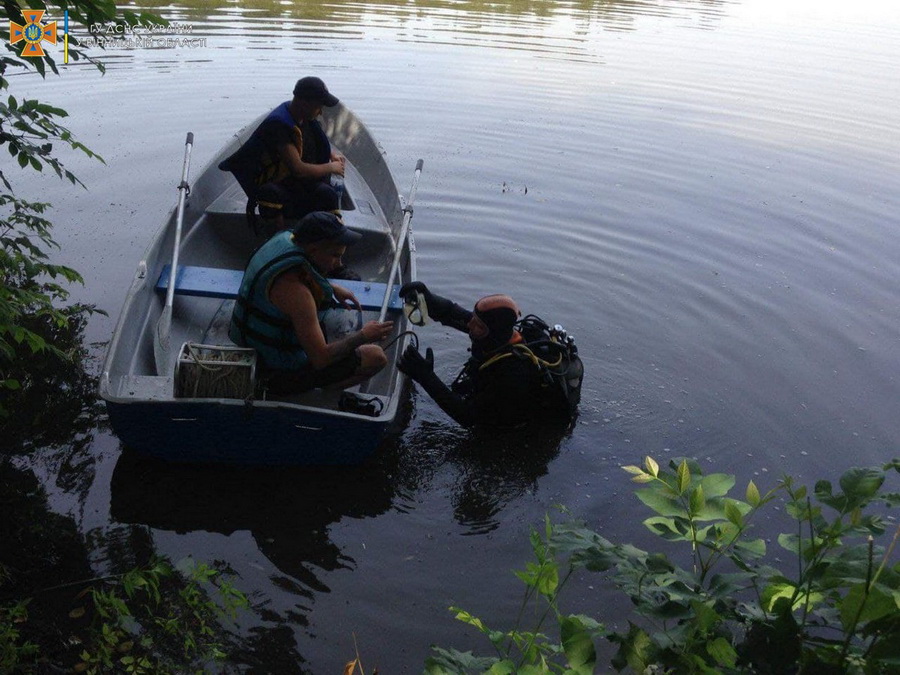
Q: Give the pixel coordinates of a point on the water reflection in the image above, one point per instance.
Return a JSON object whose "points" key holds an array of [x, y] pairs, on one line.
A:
{"points": [[490, 469], [52, 418], [566, 30], [287, 511]]}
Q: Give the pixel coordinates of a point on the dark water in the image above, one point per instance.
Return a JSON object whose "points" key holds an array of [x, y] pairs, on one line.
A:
{"points": [[705, 193]]}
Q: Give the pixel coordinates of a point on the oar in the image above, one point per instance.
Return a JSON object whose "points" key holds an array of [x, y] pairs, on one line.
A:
{"points": [[161, 342], [404, 230]]}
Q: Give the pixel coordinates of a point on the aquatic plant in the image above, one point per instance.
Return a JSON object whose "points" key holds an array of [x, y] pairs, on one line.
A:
{"points": [[832, 608]]}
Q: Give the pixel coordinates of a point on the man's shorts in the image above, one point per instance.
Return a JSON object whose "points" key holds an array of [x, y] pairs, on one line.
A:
{"points": [[283, 383]]}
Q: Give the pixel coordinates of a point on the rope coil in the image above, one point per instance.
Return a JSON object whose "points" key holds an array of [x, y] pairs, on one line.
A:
{"points": [[215, 371]]}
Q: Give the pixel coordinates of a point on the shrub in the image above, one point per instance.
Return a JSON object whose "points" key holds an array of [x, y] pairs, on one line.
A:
{"points": [[835, 607]]}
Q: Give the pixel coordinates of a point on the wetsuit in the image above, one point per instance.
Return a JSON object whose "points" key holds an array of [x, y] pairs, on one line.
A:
{"points": [[504, 388]]}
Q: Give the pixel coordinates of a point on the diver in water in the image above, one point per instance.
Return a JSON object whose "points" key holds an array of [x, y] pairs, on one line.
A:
{"points": [[519, 370]]}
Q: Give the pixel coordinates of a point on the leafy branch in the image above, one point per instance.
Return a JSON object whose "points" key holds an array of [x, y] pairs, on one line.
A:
{"points": [[838, 612]]}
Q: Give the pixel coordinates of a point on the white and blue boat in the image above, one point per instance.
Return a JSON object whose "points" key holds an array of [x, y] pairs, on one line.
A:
{"points": [[153, 406]]}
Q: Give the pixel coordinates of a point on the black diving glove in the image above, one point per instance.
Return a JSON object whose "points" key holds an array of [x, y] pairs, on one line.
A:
{"points": [[412, 363], [439, 308]]}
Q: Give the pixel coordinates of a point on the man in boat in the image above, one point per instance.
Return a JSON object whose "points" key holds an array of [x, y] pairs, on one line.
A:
{"points": [[287, 165], [520, 370], [283, 297]]}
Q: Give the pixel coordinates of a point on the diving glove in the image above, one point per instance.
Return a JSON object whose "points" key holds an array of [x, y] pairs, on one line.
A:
{"points": [[413, 364], [438, 308]]}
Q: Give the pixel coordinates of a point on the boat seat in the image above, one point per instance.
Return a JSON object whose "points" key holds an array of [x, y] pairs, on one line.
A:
{"points": [[232, 203], [214, 282]]}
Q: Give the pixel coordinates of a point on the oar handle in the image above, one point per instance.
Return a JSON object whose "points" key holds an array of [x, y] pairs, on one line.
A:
{"points": [[404, 229], [164, 325], [183, 189]]}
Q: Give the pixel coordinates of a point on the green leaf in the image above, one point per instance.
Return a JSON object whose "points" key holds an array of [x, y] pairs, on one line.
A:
{"points": [[755, 548], [790, 542], [466, 617], [544, 578], [860, 607], [651, 465], [671, 529], [656, 500], [684, 477], [706, 616], [733, 513], [722, 652], [717, 484], [577, 644], [861, 485], [752, 494], [776, 591], [635, 650], [697, 502]]}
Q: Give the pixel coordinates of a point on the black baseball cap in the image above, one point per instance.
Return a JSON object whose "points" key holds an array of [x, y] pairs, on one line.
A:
{"points": [[323, 226], [313, 89]]}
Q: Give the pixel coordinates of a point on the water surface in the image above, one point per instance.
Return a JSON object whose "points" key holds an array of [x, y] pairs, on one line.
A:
{"points": [[704, 193]]}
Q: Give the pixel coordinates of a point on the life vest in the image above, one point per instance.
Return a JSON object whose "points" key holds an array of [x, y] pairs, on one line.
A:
{"points": [[555, 359], [257, 323], [256, 163]]}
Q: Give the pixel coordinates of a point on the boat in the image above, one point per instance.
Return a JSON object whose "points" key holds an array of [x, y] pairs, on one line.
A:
{"points": [[154, 397]]}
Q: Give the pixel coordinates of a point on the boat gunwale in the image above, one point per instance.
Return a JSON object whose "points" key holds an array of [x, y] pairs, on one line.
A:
{"points": [[143, 277]]}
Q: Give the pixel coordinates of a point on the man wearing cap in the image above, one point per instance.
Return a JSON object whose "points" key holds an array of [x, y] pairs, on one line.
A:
{"points": [[283, 297], [505, 383], [287, 164]]}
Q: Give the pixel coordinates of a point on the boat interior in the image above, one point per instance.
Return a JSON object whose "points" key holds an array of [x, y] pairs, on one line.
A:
{"points": [[216, 242]]}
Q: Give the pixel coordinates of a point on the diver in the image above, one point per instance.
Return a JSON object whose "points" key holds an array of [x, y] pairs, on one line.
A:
{"points": [[519, 370]]}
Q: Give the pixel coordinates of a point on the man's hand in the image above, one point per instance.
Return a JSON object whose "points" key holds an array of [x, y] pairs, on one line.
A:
{"points": [[438, 308], [344, 297], [376, 331], [412, 363]]}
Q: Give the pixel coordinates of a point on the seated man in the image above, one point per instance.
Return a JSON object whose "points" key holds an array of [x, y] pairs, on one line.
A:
{"points": [[518, 371], [283, 296], [287, 164]]}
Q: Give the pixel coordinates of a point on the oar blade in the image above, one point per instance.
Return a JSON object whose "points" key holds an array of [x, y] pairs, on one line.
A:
{"points": [[162, 343]]}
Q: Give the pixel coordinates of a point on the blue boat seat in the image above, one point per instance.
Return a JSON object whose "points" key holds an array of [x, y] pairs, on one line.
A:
{"points": [[213, 282]]}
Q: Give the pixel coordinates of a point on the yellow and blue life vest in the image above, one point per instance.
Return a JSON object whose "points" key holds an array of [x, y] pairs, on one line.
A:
{"points": [[257, 162]]}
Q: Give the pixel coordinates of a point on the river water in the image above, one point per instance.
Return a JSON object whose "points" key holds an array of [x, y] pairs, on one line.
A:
{"points": [[705, 193]]}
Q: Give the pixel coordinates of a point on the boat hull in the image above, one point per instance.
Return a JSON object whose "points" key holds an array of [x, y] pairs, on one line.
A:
{"points": [[236, 433]]}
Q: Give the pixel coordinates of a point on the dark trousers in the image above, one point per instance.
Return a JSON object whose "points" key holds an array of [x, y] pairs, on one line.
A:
{"points": [[294, 197]]}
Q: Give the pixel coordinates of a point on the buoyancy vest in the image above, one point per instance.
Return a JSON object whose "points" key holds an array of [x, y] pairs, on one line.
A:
{"points": [[556, 360], [258, 161], [256, 322]]}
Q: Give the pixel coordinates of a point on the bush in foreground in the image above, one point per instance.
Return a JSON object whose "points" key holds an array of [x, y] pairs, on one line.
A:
{"points": [[834, 607]]}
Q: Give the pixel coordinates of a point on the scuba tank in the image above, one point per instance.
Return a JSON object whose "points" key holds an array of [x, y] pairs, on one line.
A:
{"points": [[552, 351], [557, 358]]}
